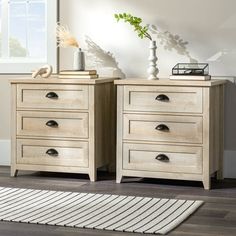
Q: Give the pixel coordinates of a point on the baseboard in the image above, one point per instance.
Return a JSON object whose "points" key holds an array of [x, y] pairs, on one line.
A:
{"points": [[229, 164], [229, 158], [5, 152]]}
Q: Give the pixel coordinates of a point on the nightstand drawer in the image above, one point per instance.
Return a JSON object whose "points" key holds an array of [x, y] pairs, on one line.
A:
{"points": [[163, 158], [56, 153], [163, 99], [182, 129], [52, 124], [52, 96]]}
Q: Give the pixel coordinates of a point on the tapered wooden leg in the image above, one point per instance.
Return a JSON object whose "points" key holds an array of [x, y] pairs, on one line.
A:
{"points": [[207, 183], [93, 176], [118, 178], [14, 172]]}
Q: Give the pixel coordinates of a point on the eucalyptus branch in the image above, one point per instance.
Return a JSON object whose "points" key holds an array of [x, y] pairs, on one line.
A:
{"points": [[136, 23]]}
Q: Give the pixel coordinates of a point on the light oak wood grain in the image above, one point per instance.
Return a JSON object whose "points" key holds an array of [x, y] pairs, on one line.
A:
{"points": [[92, 161], [119, 139], [194, 139], [70, 125], [13, 130], [56, 80], [85, 133], [168, 82], [181, 99], [181, 159], [182, 129], [70, 153], [35, 96]]}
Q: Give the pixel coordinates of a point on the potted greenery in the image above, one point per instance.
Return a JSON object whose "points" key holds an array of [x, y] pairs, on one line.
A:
{"points": [[143, 33]]}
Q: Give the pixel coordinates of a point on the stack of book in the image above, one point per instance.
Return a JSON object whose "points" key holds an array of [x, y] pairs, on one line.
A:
{"points": [[75, 74]]}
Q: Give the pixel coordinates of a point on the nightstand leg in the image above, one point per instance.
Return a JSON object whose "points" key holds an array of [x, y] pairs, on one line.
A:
{"points": [[118, 178], [93, 176], [207, 183], [14, 172]]}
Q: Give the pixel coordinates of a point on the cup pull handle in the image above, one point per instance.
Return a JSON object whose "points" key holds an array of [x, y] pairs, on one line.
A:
{"points": [[52, 152], [52, 124], [162, 127], [162, 98], [52, 95], [163, 158]]}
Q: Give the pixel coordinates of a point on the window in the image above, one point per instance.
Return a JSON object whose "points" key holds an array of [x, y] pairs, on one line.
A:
{"points": [[27, 35]]}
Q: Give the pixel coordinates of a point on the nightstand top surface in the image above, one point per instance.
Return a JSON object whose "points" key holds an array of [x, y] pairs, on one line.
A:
{"points": [[168, 82], [56, 80]]}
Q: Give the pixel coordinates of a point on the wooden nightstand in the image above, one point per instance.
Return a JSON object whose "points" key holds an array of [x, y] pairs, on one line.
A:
{"points": [[63, 125], [170, 129]]}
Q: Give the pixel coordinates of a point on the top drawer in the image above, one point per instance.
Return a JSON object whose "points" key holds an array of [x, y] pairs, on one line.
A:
{"points": [[39, 96], [163, 99]]}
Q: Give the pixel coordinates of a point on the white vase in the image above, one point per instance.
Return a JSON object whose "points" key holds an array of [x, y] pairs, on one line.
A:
{"points": [[79, 60], [152, 69]]}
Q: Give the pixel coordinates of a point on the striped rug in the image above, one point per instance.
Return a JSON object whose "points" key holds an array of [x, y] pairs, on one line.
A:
{"points": [[94, 211]]}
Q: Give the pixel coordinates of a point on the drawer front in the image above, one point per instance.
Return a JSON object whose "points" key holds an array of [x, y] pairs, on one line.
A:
{"points": [[163, 158], [56, 153], [52, 96], [52, 124], [182, 129], [163, 99]]}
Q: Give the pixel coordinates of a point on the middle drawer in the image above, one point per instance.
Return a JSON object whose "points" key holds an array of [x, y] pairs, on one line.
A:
{"points": [[52, 124], [163, 128]]}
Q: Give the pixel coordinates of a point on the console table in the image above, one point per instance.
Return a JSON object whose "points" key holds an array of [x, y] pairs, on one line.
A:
{"points": [[170, 129], [63, 125]]}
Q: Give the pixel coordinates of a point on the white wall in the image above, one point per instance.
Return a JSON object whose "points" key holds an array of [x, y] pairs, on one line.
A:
{"points": [[208, 26]]}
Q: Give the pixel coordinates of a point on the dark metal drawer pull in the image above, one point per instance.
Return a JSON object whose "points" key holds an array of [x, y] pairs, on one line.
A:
{"points": [[162, 127], [162, 98], [52, 123], [163, 158], [52, 95], [52, 152]]}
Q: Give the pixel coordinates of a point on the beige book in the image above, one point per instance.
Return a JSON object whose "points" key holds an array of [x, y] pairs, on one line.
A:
{"points": [[78, 76], [190, 77], [76, 72]]}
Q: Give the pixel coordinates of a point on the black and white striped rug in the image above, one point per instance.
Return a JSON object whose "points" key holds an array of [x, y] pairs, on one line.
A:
{"points": [[96, 211]]}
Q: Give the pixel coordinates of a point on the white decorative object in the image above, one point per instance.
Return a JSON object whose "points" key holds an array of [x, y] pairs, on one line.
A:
{"points": [[79, 60], [43, 72], [152, 69]]}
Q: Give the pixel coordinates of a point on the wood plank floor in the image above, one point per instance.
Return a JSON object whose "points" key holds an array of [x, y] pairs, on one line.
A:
{"points": [[216, 217]]}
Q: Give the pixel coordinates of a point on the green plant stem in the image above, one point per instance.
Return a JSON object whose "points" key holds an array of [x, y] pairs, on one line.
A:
{"points": [[136, 23]]}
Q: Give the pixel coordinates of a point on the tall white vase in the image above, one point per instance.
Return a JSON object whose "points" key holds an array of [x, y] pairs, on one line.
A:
{"points": [[79, 60], [152, 69]]}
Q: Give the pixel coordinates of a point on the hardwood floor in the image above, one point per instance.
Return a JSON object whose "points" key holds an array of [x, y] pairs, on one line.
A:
{"points": [[216, 217]]}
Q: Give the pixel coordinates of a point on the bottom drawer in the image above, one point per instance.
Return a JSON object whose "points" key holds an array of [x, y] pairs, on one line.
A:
{"points": [[55, 153], [163, 158]]}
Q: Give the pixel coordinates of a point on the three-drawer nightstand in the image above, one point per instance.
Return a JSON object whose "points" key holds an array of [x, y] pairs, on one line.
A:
{"points": [[63, 125], [170, 129]]}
